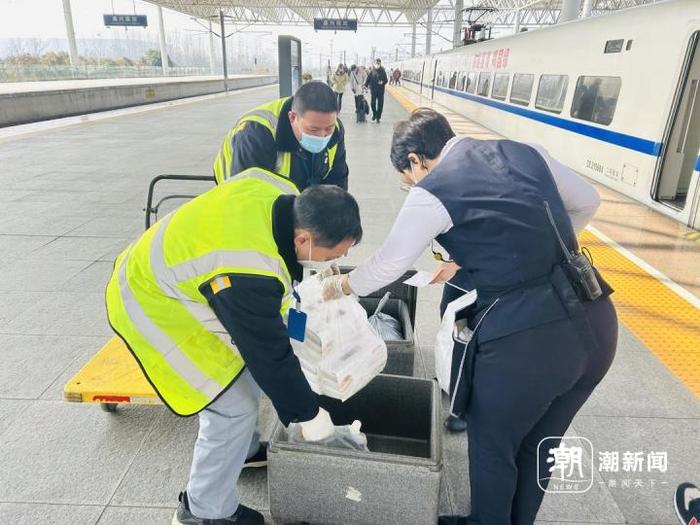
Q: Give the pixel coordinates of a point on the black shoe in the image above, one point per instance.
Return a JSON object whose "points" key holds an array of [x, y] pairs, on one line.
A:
{"points": [[374, 118], [452, 520], [455, 424], [687, 503], [242, 516], [259, 459]]}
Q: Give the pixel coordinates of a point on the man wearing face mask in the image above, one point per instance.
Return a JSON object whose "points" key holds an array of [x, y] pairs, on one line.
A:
{"points": [[376, 82], [201, 299], [299, 137]]}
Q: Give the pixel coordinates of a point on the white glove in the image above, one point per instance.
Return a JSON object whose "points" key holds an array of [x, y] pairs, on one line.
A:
{"points": [[347, 436], [335, 287], [320, 427]]}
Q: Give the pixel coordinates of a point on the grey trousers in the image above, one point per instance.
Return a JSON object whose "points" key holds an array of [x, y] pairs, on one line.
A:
{"points": [[227, 437]]}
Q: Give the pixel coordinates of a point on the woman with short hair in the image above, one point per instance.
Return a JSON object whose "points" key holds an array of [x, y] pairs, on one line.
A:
{"points": [[544, 330]]}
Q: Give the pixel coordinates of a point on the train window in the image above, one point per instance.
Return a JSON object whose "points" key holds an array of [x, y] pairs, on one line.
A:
{"points": [[484, 84], [629, 45], [500, 86], [439, 79], [521, 91], [595, 99], [453, 80], [471, 83], [614, 46], [551, 92], [461, 82]]}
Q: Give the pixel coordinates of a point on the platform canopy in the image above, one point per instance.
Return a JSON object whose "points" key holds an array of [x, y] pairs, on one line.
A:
{"points": [[303, 12], [388, 12]]}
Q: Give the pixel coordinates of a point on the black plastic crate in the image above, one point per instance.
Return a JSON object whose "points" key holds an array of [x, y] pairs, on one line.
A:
{"points": [[399, 290], [400, 352]]}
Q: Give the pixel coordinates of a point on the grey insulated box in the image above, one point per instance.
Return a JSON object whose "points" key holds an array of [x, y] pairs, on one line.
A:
{"points": [[400, 352], [397, 482]]}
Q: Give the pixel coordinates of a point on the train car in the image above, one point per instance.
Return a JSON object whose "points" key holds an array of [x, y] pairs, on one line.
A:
{"points": [[614, 97]]}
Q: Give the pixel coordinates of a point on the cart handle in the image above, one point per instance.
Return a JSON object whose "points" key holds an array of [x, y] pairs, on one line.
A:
{"points": [[151, 209]]}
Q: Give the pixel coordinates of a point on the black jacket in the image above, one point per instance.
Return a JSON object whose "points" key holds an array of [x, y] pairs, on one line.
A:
{"points": [[377, 79], [253, 146], [250, 311]]}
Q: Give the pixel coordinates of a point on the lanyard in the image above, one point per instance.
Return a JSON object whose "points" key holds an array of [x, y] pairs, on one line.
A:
{"points": [[309, 169]]}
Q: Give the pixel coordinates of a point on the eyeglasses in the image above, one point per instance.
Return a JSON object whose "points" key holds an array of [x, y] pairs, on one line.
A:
{"points": [[439, 256]]}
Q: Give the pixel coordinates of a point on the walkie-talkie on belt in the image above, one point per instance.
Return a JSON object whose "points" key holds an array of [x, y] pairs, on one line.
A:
{"points": [[577, 266]]}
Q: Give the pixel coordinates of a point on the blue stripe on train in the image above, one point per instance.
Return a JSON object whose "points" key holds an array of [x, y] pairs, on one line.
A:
{"points": [[613, 137]]}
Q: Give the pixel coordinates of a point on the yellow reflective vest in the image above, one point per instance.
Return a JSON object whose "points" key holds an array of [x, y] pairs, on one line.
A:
{"points": [[267, 115], [154, 301]]}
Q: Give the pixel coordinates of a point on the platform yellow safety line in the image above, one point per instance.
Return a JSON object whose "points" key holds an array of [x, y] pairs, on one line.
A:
{"points": [[664, 321]]}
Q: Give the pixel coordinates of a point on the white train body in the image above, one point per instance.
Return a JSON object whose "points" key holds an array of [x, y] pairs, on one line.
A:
{"points": [[630, 113]]}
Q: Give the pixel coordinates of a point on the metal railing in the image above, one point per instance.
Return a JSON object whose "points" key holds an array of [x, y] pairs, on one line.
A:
{"points": [[15, 73]]}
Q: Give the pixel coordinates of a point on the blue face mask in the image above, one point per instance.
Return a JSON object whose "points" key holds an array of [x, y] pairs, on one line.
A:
{"points": [[314, 144]]}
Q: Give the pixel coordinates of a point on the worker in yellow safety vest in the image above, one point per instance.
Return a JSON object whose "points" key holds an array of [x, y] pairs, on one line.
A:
{"points": [[201, 300], [299, 138]]}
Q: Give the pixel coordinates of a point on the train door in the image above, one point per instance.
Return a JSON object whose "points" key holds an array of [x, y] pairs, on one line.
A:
{"points": [[432, 82], [677, 183], [422, 74]]}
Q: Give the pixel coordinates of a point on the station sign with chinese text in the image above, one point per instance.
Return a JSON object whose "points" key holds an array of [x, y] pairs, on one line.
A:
{"points": [[126, 20], [335, 24]]}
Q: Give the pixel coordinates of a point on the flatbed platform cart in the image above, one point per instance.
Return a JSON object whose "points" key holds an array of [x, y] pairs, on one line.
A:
{"points": [[112, 376]]}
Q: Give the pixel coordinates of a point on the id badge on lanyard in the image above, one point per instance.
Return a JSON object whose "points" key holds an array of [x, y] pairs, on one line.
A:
{"points": [[296, 322]]}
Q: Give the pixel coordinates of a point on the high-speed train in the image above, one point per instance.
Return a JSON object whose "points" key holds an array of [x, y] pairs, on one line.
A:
{"points": [[614, 97]]}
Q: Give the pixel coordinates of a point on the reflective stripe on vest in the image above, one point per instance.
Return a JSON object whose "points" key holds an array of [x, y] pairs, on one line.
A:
{"points": [[156, 306], [268, 116]]}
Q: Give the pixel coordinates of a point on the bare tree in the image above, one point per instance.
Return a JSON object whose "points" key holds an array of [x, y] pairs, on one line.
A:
{"points": [[29, 46]]}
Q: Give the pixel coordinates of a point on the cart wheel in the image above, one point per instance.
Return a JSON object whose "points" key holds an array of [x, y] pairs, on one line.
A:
{"points": [[108, 407]]}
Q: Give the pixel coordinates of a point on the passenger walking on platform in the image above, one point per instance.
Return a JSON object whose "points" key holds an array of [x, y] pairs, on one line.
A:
{"points": [[200, 300], [358, 77], [299, 137], [376, 81], [397, 76], [544, 328], [340, 81]]}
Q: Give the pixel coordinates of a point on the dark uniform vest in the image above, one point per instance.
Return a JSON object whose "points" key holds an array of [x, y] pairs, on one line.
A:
{"points": [[494, 192]]}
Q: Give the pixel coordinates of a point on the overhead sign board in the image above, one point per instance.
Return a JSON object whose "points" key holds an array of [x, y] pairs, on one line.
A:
{"points": [[335, 24], [125, 20]]}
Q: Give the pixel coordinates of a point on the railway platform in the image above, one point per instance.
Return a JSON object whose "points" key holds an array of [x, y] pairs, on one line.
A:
{"points": [[73, 198]]}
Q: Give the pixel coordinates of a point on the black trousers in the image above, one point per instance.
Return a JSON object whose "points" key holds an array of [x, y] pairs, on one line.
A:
{"points": [[340, 100], [528, 386], [377, 103]]}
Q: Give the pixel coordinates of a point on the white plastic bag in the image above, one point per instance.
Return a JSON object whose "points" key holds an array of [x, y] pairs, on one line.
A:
{"points": [[340, 353], [449, 331], [346, 436], [384, 325]]}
